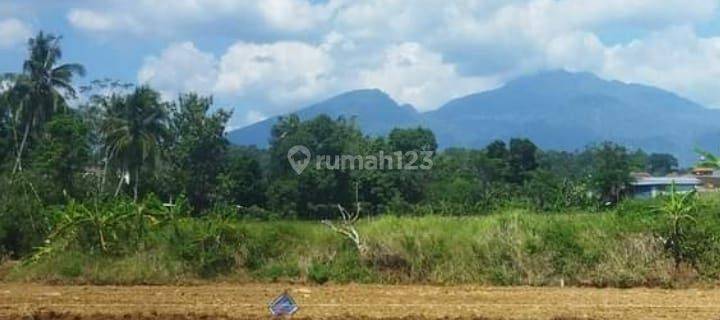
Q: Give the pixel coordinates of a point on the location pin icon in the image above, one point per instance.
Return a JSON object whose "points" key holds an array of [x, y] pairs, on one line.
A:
{"points": [[299, 164]]}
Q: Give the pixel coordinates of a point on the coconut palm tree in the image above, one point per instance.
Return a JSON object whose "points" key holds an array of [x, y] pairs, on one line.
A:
{"points": [[134, 129], [42, 88]]}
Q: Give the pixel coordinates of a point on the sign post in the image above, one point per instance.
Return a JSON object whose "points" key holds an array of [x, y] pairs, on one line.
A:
{"points": [[283, 305]]}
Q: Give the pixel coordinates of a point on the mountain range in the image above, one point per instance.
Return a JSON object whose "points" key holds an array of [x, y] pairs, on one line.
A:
{"points": [[557, 110]]}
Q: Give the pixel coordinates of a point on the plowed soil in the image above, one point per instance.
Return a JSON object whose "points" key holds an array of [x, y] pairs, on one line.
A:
{"points": [[249, 301]]}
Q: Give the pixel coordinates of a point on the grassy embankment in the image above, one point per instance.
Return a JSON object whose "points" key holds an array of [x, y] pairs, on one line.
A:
{"points": [[622, 247]]}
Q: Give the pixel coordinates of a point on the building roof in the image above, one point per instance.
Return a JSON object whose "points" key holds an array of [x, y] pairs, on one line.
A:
{"points": [[653, 181], [712, 174], [640, 175]]}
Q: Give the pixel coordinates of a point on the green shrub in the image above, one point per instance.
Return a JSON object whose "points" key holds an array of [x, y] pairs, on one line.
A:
{"points": [[319, 273], [24, 221], [211, 246], [278, 269], [560, 240]]}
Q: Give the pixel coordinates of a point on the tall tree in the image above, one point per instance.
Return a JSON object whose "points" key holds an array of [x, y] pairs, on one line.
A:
{"points": [[522, 159], [498, 154], [497, 150], [661, 164], [63, 152], [639, 161], [241, 182], [42, 88], [610, 171], [409, 183], [414, 139], [200, 148], [134, 130], [314, 193], [462, 176]]}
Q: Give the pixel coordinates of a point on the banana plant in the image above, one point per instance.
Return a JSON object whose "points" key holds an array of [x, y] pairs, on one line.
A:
{"points": [[678, 208], [107, 228]]}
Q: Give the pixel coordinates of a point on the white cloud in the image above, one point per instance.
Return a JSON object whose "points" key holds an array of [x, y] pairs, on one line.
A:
{"points": [[411, 74], [278, 77], [152, 17], [294, 15], [91, 20], [675, 59], [547, 17], [160, 17], [180, 68], [13, 32], [335, 40], [284, 72], [575, 51], [428, 21], [433, 21], [98, 21], [253, 116]]}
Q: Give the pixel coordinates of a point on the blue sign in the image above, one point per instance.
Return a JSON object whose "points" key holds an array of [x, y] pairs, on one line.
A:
{"points": [[283, 305]]}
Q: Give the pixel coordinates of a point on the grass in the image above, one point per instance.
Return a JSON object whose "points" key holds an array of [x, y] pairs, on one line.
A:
{"points": [[619, 248]]}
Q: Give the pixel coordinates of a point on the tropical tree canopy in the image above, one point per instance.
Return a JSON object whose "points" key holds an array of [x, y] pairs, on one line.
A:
{"points": [[134, 129], [42, 88]]}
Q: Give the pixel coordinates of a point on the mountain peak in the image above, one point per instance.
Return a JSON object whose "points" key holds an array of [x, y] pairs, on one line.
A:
{"points": [[558, 73], [374, 110], [373, 96], [557, 78], [365, 92]]}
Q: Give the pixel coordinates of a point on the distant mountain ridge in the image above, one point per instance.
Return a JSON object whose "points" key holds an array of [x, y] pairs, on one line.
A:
{"points": [[375, 112], [557, 110]]}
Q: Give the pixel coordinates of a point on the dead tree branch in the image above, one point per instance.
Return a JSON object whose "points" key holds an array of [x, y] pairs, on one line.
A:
{"points": [[346, 225]]}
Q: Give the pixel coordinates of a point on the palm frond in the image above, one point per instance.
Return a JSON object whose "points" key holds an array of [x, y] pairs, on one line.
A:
{"points": [[68, 70], [708, 159]]}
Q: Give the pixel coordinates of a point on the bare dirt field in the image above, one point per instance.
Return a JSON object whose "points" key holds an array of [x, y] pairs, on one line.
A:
{"points": [[249, 301]]}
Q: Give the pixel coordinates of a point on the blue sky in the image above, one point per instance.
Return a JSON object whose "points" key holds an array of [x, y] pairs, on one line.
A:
{"points": [[262, 58]]}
